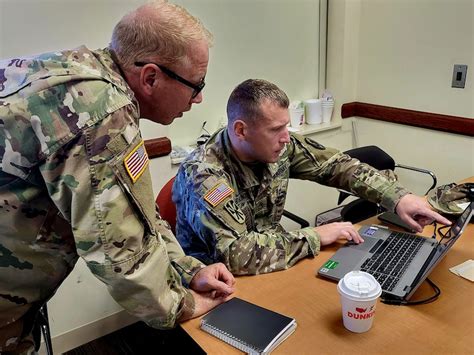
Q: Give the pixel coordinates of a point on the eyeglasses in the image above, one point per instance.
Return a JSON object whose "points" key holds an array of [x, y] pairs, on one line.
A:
{"points": [[196, 87]]}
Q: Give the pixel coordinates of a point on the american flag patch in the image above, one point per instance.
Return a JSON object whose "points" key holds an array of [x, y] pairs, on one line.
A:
{"points": [[218, 193], [136, 162]]}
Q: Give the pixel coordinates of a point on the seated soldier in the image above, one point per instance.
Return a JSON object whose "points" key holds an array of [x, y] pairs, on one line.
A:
{"points": [[231, 191]]}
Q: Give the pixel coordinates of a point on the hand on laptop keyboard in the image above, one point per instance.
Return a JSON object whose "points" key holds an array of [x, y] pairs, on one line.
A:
{"points": [[331, 232]]}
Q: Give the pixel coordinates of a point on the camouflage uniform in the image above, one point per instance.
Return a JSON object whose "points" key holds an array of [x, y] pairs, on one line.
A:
{"points": [[68, 129], [241, 226]]}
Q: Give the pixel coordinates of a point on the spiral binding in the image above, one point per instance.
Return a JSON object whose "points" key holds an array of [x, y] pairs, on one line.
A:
{"points": [[230, 339]]}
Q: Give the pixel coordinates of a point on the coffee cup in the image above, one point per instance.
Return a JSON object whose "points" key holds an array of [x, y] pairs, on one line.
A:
{"points": [[326, 110], [296, 117], [313, 111], [359, 293]]}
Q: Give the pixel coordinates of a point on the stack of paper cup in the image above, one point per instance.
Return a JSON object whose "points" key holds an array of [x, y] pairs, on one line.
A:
{"points": [[296, 110], [359, 293], [313, 111], [327, 106]]}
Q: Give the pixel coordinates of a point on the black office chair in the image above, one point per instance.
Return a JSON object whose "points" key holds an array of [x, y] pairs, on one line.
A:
{"points": [[301, 221], [45, 329], [361, 209], [41, 326]]}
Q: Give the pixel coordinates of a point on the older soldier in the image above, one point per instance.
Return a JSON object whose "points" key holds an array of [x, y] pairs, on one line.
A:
{"points": [[74, 177], [230, 193]]}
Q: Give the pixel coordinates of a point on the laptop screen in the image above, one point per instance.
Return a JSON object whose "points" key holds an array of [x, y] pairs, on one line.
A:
{"points": [[444, 245], [458, 227]]}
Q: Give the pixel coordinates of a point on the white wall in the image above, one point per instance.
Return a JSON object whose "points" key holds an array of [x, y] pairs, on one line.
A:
{"points": [[407, 50], [29, 27], [274, 40], [401, 53]]}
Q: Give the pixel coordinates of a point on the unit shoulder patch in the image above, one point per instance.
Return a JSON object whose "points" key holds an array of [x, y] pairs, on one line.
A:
{"points": [[234, 210]]}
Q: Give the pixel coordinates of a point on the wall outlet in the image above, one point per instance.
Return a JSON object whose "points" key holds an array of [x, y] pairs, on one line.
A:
{"points": [[459, 76]]}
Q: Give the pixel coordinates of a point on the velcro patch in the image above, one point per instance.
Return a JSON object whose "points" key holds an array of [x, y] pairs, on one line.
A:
{"points": [[136, 162], [218, 193]]}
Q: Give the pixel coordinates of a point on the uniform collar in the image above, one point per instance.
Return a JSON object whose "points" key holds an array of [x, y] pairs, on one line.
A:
{"points": [[113, 72]]}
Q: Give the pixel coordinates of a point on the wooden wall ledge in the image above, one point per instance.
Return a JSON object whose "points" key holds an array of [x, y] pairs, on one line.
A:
{"points": [[157, 147], [444, 123]]}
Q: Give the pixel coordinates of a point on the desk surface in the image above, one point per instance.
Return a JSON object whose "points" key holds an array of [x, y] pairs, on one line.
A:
{"points": [[442, 327]]}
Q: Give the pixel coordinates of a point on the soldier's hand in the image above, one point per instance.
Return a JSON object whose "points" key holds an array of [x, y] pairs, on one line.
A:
{"points": [[417, 213], [331, 232], [214, 278]]}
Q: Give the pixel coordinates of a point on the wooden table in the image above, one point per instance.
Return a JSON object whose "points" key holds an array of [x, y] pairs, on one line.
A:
{"points": [[445, 326]]}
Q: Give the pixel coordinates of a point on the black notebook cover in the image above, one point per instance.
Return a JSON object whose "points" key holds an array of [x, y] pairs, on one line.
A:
{"points": [[247, 326]]}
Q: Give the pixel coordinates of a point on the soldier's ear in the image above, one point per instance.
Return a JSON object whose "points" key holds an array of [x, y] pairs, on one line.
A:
{"points": [[240, 129], [148, 79]]}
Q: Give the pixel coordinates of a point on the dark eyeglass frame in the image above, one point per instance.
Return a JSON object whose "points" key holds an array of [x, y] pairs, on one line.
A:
{"points": [[196, 87]]}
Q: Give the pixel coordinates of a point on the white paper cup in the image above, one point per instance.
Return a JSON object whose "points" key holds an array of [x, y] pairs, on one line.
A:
{"points": [[296, 117], [359, 294], [326, 111], [313, 111]]}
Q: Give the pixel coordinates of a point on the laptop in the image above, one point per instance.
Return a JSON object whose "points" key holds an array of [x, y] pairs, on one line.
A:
{"points": [[399, 261]]}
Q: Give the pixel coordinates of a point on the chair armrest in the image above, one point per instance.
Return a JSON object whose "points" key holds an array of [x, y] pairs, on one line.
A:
{"points": [[343, 194], [423, 171], [302, 222]]}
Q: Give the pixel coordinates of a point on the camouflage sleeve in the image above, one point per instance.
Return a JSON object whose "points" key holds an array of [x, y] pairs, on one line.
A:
{"points": [[249, 252], [219, 232], [186, 265], [108, 202], [312, 161]]}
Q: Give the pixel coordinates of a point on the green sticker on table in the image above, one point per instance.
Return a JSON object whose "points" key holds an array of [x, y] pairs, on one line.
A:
{"points": [[331, 264]]}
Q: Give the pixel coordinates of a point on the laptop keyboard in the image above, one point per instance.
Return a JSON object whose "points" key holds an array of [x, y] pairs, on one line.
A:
{"points": [[392, 258]]}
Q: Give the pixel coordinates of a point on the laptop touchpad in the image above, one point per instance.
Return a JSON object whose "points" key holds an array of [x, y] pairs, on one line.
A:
{"points": [[367, 245]]}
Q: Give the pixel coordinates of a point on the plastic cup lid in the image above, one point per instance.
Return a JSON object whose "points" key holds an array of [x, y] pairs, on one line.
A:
{"points": [[359, 285]]}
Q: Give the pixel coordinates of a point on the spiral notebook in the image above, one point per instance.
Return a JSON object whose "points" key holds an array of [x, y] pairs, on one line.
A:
{"points": [[248, 327]]}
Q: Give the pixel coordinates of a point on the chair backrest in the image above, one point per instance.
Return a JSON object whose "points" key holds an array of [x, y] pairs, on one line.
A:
{"points": [[359, 209], [373, 156], [166, 205]]}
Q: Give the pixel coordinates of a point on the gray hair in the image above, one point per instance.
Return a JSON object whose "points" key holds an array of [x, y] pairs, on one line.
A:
{"points": [[157, 31], [245, 100]]}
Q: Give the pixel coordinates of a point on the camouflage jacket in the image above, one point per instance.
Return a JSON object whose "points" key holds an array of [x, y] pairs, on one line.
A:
{"points": [[230, 212], [74, 181]]}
